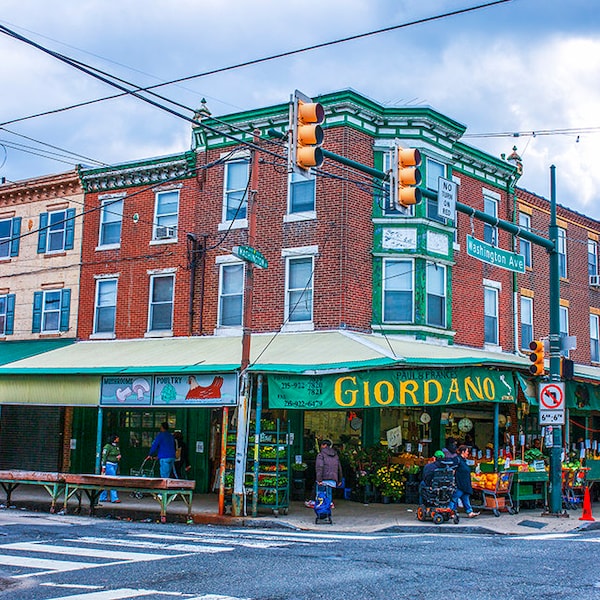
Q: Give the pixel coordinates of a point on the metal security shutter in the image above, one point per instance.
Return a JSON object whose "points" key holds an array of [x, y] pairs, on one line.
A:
{"points": [[31, 437]]}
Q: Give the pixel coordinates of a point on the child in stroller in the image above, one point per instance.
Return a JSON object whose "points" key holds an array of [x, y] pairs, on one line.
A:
{"points": [[437, 489]]}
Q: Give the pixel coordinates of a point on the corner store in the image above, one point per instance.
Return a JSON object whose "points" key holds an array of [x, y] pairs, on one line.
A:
{"points": [[72, 376]]}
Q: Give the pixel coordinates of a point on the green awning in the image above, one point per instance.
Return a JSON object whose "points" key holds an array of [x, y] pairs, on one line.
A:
{"points": [[51, 390], [17, 350]]}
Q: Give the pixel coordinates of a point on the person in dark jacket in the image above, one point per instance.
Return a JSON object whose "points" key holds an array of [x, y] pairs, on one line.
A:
{"points": [[182, 461], [111, 455], [464, 489], [430, 467], [450, 450], [164, 448], [328, 467]]}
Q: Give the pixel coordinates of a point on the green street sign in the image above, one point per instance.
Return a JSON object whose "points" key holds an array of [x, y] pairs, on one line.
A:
{"points": [[495, 256], [251, 255]]}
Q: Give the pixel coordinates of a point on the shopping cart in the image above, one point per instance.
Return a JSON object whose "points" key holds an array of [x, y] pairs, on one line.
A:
{"points": [[146, 469], [496, 493]]}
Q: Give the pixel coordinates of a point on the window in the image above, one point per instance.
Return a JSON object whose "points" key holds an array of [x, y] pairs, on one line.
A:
{"points": [[235, 202], [111, 217], [433, 171], [526, 321], [525, 245], [299, 296], [398, 291], [490, 310], [564, 321], [57, 230], [436, 295], [161, 303], [302, 193], [10, 230], [7, 314], [490, 233], [594, 339], [562, 253], [166, 215], [231, 295], [106, 306], [51, 309], [592, 257]]}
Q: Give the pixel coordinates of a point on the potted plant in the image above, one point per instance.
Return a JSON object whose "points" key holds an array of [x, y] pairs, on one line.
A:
{"points": [[390, 480]]}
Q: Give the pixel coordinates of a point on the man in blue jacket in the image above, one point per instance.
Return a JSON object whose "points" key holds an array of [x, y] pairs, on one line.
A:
{"points": [[164, 448]]}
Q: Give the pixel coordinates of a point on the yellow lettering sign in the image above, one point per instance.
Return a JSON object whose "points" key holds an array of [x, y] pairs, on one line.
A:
{"points": [[339, 391]]}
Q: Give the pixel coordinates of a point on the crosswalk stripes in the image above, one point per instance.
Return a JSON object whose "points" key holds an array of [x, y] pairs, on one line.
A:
{"points": [[125, 593]]}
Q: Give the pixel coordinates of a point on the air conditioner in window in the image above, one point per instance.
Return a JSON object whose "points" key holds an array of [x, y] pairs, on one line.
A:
{"points": [[164, 233], [595, 280]]}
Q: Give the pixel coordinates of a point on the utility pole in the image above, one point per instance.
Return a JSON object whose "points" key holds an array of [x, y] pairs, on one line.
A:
{"points": [[241, 444]]}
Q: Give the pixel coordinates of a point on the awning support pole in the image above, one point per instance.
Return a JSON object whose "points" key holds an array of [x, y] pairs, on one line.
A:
{"points": [[99, 441]]}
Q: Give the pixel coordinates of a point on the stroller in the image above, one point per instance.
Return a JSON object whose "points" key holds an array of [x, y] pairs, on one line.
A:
{"points": [[322, 506], [436, 498]]}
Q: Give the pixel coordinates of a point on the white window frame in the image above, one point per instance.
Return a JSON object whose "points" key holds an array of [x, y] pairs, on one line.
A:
{"points": [[295, 179], [99, 282], [153, 278], [222, 267], [61, 228], [46, 312], [526, 319], [490, 207], [487, 315], [561, 247], [291, 254], [6, 241], [168, 233], [109, 206], [525, 246], [308, 289], [3, 315], [243, 220], [594, 338], [444, 294], [593, 251], [410, 266]]}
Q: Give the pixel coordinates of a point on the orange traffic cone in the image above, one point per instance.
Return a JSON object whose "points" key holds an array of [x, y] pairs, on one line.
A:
{"points": [[587, 506]]}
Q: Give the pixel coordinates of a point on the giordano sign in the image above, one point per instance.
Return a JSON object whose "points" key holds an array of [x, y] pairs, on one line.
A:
{"points": [[383, 389]]}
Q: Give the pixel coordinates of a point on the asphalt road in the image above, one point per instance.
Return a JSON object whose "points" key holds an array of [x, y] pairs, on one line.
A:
{"points": [[84, 559]]}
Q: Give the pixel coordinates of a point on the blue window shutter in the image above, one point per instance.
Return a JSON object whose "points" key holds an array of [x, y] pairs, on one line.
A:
{"points": [[16, 232], [70, 229], [10, 314], [36, 323], [43, 233], [65, 307]]}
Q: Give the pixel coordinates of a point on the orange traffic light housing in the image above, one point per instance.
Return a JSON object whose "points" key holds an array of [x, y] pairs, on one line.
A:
{"points": [[536, 357], [306, 133], [408, 176]]}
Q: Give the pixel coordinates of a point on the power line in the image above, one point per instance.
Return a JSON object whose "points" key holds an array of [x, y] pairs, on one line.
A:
{"points": [[537, 132], [256, 61]]}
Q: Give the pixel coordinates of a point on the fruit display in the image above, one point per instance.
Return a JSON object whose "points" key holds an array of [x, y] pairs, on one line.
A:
{"points": [[490, 481]]}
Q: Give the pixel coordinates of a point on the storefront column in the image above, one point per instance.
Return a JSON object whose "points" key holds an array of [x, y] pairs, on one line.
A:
{"points": [[99, 441], [256, 463], [496, 434], [371, 427]]}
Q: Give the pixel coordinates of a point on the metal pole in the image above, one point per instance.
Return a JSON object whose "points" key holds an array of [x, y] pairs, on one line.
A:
{"points": [[496, 435], [554, 343], [99, 441], [241, 445], [223, 462]]}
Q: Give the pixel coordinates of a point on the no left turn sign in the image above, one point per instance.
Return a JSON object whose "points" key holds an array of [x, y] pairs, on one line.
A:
{"points": [[552, 396]]}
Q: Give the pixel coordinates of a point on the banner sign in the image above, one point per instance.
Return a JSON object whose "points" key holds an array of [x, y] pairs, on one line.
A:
{"points": [[170, 390], [384, 389]]}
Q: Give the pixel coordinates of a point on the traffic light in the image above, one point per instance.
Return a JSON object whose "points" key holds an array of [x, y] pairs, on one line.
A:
{"points": [[536, 357], [306, 133], [408, 176]]}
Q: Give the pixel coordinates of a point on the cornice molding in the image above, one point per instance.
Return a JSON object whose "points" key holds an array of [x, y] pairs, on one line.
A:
{"points": [[48, 187]]}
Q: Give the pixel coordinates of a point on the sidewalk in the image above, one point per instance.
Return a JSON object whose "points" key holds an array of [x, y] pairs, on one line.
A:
{"points": [[348, 517]]}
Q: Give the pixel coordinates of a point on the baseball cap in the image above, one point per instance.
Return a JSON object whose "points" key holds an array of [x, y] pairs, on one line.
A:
{"points": [[438, 454]]}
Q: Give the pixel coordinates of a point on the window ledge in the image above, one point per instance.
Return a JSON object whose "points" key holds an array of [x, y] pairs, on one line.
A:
{"points": [[163, 333], [50, 334], [103, 336], [310, 215], [492, 347], [298, 326], [229, 331], [156, 242], [5, 259], [237, 224], [108, 247], [54, 254]]}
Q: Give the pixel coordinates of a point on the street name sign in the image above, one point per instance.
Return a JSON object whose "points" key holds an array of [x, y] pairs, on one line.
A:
{"points": [[495, 256], [447, 193], [251, 255], [552, 403]]}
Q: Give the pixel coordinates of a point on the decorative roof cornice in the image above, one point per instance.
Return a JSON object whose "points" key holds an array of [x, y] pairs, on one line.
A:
{"points": [[41, 188], [142, 172]]}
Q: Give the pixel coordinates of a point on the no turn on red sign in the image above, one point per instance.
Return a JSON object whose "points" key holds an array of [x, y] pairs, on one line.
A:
{"points": [[552, 403]]}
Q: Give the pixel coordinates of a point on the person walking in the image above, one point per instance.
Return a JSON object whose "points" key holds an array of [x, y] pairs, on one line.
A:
{"points": [[164, 448], [464, 489], [111, 455], [182, 462], [328, 467]]}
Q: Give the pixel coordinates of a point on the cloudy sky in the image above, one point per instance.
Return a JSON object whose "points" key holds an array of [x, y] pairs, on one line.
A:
{"points": [[518, 67]]}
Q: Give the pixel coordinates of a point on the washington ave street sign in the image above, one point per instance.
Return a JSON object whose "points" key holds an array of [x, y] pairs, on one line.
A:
{"points": [[495, 256]]}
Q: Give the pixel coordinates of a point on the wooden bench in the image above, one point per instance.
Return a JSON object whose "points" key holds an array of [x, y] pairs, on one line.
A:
{"points": [[164, 491], [53, 483]]}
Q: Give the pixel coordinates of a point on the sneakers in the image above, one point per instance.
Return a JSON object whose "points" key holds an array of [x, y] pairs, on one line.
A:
{"points": [[119, 502], [473, 514]]}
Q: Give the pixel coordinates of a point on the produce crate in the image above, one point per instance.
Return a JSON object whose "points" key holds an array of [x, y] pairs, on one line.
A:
{"points": [[490, 502]]}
